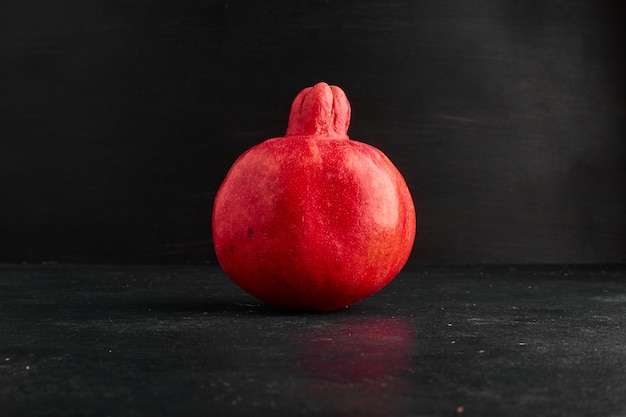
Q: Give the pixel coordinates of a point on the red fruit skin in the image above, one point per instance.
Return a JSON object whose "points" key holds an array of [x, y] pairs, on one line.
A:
{"points": [[313, 220]]}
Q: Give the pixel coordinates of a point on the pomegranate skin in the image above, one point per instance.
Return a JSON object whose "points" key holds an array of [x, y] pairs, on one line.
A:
{"points": [[313, 220]]}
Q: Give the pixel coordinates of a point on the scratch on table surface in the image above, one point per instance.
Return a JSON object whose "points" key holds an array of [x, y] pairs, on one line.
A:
{"points": [[617, 298]]}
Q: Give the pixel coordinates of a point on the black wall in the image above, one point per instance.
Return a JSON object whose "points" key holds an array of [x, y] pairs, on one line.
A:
{"points": [[119, 119]]}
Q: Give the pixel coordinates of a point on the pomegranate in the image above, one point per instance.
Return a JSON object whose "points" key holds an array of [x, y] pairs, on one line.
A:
{"points": [[313, 220]]}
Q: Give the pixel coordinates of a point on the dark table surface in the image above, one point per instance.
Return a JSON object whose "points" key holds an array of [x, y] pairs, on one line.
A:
{"points": [[184, 340]]}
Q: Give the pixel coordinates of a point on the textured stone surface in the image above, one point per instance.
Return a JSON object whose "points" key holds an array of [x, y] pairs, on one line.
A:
{"points": [[134, 340]]}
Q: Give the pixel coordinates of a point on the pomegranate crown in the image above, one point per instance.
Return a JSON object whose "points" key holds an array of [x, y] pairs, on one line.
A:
{"points": [[321, 110]]}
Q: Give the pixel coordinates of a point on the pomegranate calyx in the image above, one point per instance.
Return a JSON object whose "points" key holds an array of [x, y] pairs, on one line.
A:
{"points": [[321, 110]]}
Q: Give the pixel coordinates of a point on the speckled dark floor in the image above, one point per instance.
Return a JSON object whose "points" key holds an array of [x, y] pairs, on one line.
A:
{"points": [[148, 341]]}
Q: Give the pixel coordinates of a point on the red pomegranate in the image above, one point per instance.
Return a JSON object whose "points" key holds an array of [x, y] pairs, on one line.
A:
{"points": [[313, 220]]}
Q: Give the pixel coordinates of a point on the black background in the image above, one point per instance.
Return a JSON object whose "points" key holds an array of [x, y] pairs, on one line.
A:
{"points": [[119, 120]]}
